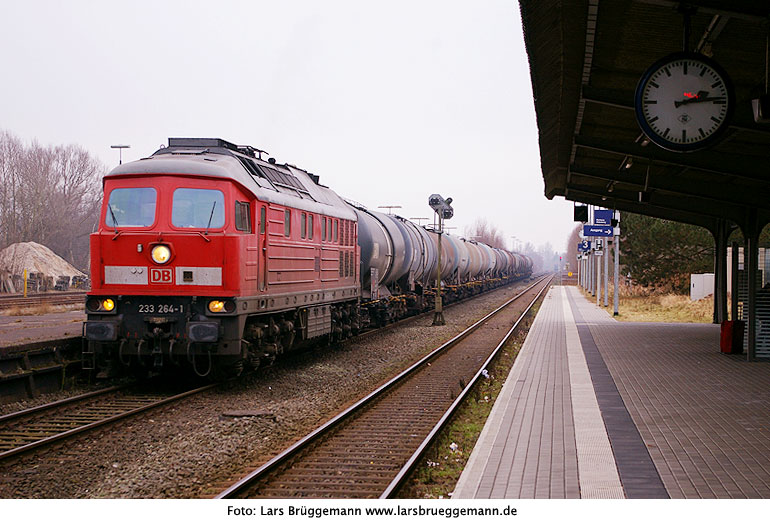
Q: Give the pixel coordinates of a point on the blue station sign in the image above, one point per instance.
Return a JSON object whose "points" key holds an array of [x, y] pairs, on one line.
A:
{"points": [[597, 230], [584, 245], [603, 216]]}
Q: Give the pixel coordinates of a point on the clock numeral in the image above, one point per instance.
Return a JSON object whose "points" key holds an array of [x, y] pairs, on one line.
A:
{"points": [[702, 133], [684, 67], [714, 119], [665, 134], [702, 72], [650, 102], [717, 83], [684, 136], [654, 85], [654, 119]]}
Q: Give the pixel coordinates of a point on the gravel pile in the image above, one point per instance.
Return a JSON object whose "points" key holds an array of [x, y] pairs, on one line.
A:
{"points": [[35, 258], [199, 446]]}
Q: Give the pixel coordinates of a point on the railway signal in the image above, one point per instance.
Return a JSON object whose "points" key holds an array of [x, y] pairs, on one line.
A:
{"points": [[443, 208]]}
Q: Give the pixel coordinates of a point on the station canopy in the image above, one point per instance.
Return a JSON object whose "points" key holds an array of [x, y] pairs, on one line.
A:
{"points": [[586, 59]]}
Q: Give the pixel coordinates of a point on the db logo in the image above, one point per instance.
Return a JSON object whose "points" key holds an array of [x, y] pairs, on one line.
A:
{"points": [[161, 276]]}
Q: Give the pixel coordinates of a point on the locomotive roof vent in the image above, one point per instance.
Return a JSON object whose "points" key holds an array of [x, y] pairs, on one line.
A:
{"points": [[279, 176], [212, 142], [200, 142]]}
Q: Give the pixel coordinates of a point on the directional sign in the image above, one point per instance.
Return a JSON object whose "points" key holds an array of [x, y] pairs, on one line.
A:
{"points": [[597, 230], [584, 245], [603, 216]]}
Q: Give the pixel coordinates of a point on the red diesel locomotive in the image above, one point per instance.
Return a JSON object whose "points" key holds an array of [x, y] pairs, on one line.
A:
{"points": [[209, 256]]}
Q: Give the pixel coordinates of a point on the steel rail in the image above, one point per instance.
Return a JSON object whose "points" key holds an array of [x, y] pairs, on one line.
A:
{"points": [[102, 422], [298, 446], [401, 477], [64, 298], [61, 402]]}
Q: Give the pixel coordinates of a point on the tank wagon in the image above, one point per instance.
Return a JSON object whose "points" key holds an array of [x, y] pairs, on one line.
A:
{"points": [[210, 257]]}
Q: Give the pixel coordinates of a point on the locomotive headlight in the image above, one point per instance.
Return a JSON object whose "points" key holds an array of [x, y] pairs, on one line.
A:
{"points": [[221, 306], [101, 305], [216, 306], [161, 254]]}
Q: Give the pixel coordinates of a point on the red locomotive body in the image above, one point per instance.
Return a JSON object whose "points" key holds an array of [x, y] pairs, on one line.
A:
{"points": [[207, 253]]}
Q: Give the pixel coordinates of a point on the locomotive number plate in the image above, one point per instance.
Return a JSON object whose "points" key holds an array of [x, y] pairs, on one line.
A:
{"points": [[161, 308]]}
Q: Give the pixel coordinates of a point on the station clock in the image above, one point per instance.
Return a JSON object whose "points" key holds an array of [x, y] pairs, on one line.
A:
{"points": [[684, 102]]}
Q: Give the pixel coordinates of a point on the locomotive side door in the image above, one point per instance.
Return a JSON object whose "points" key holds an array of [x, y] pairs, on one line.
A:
{"points": [[262, 267]]}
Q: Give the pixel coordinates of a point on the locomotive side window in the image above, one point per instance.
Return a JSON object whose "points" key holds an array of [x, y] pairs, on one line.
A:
{"points": [[287, 223], [310, 226], [323, 229], [242, 216], [262, 219], [198, 208], [131, 207], [303, 226], [336, 229]]}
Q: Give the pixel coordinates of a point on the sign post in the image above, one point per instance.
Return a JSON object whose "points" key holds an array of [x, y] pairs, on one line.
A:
{"points": [[606, 274], [599, 251], [617, 267]]}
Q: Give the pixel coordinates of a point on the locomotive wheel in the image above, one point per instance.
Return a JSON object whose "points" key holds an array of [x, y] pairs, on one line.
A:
{"points": [[229, 369]]}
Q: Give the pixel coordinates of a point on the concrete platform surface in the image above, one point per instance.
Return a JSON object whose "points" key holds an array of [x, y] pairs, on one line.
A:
{"points": [[596, 408], [23, 329]]}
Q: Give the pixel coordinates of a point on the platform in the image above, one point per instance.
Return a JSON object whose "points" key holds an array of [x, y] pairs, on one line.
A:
{"points": [[595, 408], [18, 330]]}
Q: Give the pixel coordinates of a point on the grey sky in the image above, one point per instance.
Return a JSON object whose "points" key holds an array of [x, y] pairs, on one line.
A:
{"points": [[388, 102]]}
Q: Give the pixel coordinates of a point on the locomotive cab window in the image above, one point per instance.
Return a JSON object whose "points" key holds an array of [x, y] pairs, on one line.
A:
{"points": [[323, 229], [131, 207], [287, 223], [198, 208], [242, 216], [303, 226], [310, 226]]}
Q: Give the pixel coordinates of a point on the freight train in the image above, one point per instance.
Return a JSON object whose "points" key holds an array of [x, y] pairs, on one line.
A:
{"points": [[210, 257]]}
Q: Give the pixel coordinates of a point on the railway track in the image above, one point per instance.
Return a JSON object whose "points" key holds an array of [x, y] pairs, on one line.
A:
{"points": [[40, 426], [37, 299], [368, 450]]}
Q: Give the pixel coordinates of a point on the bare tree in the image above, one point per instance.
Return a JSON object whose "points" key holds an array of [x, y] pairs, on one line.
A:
{"points": [[50, 195], [572, 243], [483, 232]]}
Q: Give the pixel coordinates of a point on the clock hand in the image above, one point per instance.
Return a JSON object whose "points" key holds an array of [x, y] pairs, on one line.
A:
{"points": [[677, 104]]}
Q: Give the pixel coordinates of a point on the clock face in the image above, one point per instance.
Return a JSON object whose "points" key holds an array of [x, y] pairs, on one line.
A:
{"points": [[684, 102]]}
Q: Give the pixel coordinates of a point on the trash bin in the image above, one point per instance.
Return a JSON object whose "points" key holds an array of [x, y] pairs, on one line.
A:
{"points": [[731, 336]]}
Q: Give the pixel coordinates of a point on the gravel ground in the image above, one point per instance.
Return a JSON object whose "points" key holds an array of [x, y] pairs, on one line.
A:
{"points": [[194, 449]]}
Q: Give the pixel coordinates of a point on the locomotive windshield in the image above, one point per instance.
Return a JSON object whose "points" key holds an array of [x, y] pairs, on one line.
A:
{"points": [[198, 208], [131, 207]]}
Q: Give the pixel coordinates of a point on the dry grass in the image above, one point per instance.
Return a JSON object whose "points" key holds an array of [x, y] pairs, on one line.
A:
{"points": [[639, 305], [41, 309]]}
